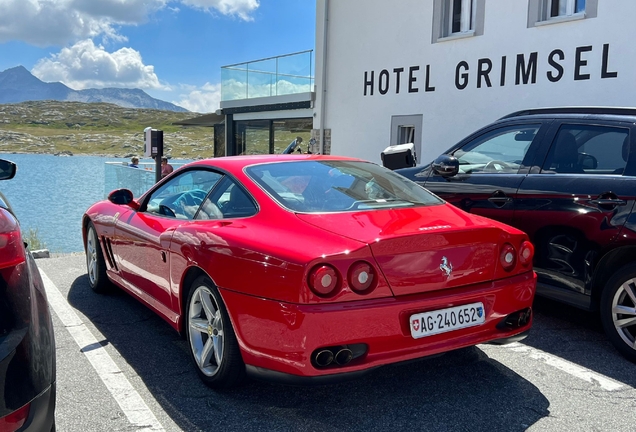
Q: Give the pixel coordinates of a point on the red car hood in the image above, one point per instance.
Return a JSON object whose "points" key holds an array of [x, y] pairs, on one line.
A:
{"points": [[421, 249]]}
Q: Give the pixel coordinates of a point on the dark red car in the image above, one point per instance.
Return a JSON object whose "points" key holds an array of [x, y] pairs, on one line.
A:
{"points": [[309, 268], [27, 345]]}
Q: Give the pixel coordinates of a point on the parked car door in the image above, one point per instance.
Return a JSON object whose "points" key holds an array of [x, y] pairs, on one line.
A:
{"points": [[143, 237], [492, 164], [574, 203]]}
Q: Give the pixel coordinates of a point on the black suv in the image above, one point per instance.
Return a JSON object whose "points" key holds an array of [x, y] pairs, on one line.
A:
{"points": [[567, 177]]}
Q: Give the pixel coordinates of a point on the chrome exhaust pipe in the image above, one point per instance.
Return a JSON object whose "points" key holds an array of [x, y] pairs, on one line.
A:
{"points": [[324, 358], [343, 356]]}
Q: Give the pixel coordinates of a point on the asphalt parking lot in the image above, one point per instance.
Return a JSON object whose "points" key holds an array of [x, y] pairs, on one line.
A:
{"points": [[120, 368]]}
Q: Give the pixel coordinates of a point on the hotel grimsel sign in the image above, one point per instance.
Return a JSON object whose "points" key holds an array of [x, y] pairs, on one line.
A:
{"points": [[517, 70]]}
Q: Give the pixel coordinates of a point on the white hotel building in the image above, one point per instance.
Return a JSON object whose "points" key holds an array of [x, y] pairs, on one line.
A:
{"points": [[432, 71]]}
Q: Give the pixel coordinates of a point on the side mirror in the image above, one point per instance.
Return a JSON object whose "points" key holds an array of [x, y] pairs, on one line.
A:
{"points": [[587, 161], [123, 197], [7, 169], [446, 165]]}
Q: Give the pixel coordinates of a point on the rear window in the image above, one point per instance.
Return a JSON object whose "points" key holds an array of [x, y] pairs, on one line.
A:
{"points": [[336, 186]]}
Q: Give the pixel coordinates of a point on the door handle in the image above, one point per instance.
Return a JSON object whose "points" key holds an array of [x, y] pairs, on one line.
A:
{"points": [[500, 200], [608, 202]]}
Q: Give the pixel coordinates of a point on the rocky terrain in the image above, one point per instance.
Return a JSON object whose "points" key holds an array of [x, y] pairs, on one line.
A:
{"points": [[97, 129]]}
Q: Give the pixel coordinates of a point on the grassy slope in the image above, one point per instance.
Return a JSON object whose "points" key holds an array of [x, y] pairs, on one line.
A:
{"points": [[106, 129], [96, 128]]}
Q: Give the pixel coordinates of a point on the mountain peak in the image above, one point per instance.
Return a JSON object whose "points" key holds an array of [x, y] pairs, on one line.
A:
{"points": [[17, 84]]}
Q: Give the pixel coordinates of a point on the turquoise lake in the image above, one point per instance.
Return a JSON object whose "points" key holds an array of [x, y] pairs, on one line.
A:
{"points": [[51, 193]]}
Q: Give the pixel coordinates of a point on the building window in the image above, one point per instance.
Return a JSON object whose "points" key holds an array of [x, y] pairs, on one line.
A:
{"points": [[459, 16], [558, 8], [406, 134], [407, 129], [542, 12], [454, 19]]}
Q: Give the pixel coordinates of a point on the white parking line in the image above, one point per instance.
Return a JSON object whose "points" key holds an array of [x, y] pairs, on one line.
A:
{"points": [[566, 366], [120, 388]]}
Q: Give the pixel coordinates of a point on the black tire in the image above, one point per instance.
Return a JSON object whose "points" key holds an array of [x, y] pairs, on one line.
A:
{"points": [[95, 263], [620, 291], [208, 328]]}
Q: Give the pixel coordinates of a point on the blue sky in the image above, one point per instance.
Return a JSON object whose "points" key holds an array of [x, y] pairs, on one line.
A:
{"points": [[172, 49]]}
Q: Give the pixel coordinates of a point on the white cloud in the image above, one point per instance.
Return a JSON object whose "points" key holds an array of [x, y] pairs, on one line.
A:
{"points": [[59, 22], [240, 8], [204, 100], [85, 65]]}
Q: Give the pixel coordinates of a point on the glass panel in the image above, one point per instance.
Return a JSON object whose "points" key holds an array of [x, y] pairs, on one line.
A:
{"points": [[406, 134], [294, 74], [252, 137], [288, 74], [234, 83], [285, 131], [588, 150], [336, 186], [219, 140], [580, 6], [120, 175], [227, 201], [181, 196], [498, 151], [261, 78], [457, 16]]}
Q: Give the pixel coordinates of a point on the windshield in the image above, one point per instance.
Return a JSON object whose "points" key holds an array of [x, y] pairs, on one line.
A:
{"points": [[336, 186]]}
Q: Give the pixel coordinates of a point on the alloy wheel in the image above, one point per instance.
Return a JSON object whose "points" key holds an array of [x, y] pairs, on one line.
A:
{"points": [[91, 256], [205, 326], [624, 312]]}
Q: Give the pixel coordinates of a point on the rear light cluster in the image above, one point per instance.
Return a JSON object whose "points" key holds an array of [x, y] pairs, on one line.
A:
{"points": [[12, 250], [15, 420], [325, 280], [508, 257]]}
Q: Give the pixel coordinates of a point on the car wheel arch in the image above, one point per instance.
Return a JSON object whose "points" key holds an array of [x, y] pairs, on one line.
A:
{"points": [[85, 221], [609, 263], [188, 278]]}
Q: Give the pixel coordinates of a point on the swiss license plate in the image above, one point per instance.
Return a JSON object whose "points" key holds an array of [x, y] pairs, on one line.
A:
{"points": [[444, 320]]}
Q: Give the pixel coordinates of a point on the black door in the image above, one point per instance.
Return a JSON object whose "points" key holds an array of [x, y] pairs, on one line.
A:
{"points": [[574, 203], [492, 165]]}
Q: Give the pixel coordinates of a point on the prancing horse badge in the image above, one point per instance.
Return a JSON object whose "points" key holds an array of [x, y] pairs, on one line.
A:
{"points": [[446, 267]]}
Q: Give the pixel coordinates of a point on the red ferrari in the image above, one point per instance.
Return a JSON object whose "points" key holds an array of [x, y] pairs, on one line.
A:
{"points": [[309, 269]]}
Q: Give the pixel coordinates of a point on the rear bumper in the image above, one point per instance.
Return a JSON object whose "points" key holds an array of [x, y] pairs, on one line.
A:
{"points": [[289, 379], [41, 412], [27, 351], [278, 339]]}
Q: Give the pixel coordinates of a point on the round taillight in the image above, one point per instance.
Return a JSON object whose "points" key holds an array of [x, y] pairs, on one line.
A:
{"points": [[362, 277], [526, 253], [323, 280], [508, 257]]}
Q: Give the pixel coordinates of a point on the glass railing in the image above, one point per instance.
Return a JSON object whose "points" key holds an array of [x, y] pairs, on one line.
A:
{"points": [[118, 175], [274, 76]]}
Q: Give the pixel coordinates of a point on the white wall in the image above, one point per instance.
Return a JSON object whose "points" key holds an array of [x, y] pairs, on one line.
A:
{"points": [[373, 35]]}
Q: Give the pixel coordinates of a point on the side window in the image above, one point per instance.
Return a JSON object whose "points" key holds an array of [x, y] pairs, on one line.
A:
{"points": [[498, 151], [588, 150], [182, 196], [227, 201]]}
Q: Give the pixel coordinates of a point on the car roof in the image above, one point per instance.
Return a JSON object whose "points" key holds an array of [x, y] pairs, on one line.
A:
{"points": [[239, 162], [615, 113]]}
